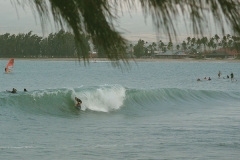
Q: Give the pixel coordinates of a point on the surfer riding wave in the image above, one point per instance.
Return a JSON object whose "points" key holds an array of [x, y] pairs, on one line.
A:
{"points": [[79, 102]]}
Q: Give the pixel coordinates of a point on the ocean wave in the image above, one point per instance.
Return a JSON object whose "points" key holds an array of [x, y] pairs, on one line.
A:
{"points": [[62, 101], [105, 98], [178, 95]]}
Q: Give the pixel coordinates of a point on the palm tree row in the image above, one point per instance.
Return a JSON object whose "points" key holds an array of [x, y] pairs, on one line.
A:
{"points": [[60, 44], [193, 45]]}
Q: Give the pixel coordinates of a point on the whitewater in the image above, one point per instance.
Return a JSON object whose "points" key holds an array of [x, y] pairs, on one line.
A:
{"points": [[149, 110]]}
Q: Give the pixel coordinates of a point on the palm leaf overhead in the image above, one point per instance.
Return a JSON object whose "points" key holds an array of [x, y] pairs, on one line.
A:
{"points": [[96, 18]]}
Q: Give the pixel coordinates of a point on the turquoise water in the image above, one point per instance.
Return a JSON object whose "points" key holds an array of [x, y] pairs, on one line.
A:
{"points": [[155, 110]]}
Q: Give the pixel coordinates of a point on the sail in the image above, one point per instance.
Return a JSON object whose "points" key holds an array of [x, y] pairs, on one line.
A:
{"points": [[10, 64]]}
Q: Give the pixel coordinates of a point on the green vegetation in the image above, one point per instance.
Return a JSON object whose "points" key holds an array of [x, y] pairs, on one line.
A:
{"points": [[57, 45], [96, 18], [200, 46], [62, 45]]}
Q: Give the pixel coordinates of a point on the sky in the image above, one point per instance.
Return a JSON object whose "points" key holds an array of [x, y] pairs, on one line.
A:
{"points": [[15, 19]]}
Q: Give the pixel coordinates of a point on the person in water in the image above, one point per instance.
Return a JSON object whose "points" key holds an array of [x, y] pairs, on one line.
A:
{"points": [[79, 102], [232, 76], [6, 70], [227, 76], [13, 91], [25, 90], [219, 74], [198, 79], [209, 79]]}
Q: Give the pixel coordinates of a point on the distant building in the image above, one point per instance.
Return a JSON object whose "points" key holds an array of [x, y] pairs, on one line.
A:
{"points": [[223, 53], [93, 55], [176, 54]]}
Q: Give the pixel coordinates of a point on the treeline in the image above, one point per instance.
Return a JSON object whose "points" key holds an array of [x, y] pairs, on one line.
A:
{"points": [[62, 45], [59, 45], [192, 45]]}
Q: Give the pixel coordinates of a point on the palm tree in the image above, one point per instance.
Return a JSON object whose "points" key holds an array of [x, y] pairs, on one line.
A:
{"points": [[96, 18], [154, 45], [224, 42], [204, 41], [178, 47], [216, 37], [170, 45], [161, 45], [198, 43], [184, 45], [193, 41], [212, 43], [139, 48], [188, 40]]}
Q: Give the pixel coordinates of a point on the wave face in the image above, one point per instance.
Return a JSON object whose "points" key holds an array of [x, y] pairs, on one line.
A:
{"points": [[62, 101], [108, 98]]}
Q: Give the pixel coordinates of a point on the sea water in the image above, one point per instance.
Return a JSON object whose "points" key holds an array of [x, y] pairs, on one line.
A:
{"points": [[149, 110]]}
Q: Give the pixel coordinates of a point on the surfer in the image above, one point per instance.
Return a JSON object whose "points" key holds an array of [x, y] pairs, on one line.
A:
{"points": [[198, 79], [79, 102], [209, 79], [25, 90], [13, 91], [227, 76]]}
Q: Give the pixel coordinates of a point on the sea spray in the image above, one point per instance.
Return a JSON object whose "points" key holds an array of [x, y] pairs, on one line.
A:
{"points": [[101, 98]]}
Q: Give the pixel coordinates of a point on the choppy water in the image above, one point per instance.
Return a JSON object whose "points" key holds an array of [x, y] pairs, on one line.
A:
{"points": [[153, 111]]}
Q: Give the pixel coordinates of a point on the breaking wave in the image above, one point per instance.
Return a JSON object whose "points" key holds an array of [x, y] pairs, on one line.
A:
{"points": [[106, 98]]}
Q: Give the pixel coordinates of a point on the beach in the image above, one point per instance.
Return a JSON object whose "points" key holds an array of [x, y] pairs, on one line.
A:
{"points": [[131, 59]]}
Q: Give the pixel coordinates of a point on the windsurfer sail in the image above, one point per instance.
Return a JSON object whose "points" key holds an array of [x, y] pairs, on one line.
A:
{"points": [[9, 66]]}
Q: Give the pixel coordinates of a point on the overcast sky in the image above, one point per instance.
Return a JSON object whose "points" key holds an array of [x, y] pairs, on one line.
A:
{"points": [[15, 19]]}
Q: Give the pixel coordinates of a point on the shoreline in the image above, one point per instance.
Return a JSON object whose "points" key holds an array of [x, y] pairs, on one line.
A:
{"points": [[131, 60]]}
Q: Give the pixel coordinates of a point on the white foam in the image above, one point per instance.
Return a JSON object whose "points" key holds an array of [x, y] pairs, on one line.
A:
{"points": [[104, 99]]}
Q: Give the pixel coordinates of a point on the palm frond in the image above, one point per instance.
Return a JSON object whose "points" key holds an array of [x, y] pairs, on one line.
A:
{"points": [[96, 18]]}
